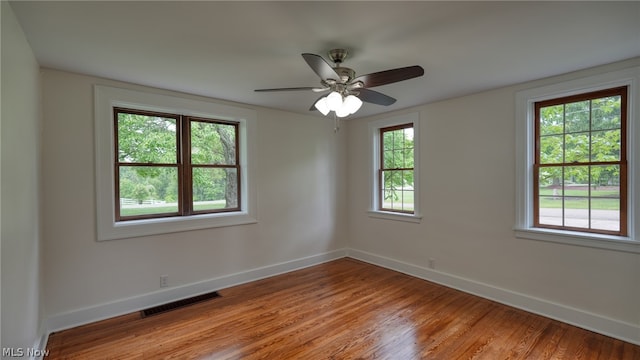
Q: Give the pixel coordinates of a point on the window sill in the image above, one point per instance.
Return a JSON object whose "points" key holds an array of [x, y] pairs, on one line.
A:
{"points": [[136, 228], [608, 242], [413, 218]]}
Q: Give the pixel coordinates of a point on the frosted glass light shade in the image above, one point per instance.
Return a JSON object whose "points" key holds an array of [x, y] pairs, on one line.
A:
{"points": [[342, 112], [334, 101], [352, 104], [322, 106]]}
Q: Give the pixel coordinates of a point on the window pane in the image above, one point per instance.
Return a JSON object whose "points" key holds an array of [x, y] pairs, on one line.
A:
{"points": [[398, 190], [552, 120], [146, 139], [389, 197], [550, 211], [605, 214], [550, 181], [407, 180], [576, 217], [397, 148], [605, 145], [398, 159], [408, 158], [398, 139], [408, 138], [575, 179], [407, 200], [605, 180], [146, 190], [214, 188], [550, 200], [577, 116], [213, 143], [387, 139], [388, 159], [392, 179], [576, 200], [606, 113], [392, 182], [551, 149], [576, 147]]}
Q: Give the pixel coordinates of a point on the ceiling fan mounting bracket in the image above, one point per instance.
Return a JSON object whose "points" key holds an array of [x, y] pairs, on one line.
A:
{"points": [[338, 55]]}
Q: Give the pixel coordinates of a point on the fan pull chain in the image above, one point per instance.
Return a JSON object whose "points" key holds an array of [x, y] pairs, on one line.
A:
{"points": [[336, 123]]}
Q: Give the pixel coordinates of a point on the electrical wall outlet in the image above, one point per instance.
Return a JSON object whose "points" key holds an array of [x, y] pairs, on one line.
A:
{"points": [[432, 263], [164, 280]]}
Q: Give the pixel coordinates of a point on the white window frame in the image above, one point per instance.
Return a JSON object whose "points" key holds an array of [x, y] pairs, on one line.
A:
{"points": [[374, 138], [105, 99], [525, 140]]}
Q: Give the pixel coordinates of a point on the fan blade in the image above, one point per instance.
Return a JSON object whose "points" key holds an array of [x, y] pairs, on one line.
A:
{"points": [[320, 66], [307, 88], [375, 97], [390, 76]]}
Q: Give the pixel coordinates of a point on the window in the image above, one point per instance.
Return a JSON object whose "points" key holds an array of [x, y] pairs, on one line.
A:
{"points": [[168, 164], [576, 162], [173, 165], [580, 168], [394, 170]]}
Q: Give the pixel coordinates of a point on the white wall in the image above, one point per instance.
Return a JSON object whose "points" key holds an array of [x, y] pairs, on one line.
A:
{"points": [[21, 315], [301, 184], [467, 172]]}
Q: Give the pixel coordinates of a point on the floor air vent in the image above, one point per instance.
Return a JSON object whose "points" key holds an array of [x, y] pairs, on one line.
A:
{"points": [[178, 304]]}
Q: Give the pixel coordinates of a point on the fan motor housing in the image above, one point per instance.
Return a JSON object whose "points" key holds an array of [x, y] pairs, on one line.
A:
{"points": [[346, 74]]}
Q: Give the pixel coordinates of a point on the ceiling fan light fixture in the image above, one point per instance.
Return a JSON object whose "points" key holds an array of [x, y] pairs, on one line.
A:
{"points": [[321, 105], [334, 101], [342, 112], [352, 104]]}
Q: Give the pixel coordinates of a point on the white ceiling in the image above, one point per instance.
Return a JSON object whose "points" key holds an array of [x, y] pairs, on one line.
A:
{"points": [[225, 50]]}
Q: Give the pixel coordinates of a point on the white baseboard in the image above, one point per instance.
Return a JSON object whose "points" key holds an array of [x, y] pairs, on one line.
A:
{"points": [[125, 306], [580, 318], [39, 348]]}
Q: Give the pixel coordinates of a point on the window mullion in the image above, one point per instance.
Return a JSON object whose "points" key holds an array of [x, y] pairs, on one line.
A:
{"points": [[184, 160]]}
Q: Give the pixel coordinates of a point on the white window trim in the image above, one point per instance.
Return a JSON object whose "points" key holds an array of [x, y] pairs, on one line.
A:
{"points": [[106, 98], [525, 138], [374, 138]]}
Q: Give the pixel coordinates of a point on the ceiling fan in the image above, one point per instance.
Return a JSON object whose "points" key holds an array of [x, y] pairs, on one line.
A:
{"points": [[347, 92]]}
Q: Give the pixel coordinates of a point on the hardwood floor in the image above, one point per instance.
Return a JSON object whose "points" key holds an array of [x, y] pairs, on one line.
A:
{"points": [[343, 309]]}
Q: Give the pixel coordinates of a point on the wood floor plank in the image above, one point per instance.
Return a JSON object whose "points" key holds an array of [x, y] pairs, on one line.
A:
{"points": [[344, 309]]}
